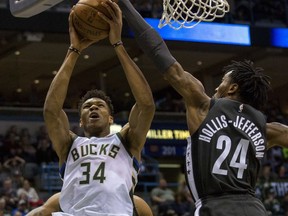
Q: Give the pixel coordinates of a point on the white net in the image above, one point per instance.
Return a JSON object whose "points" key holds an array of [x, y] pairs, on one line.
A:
{"points": [[188, 13]]}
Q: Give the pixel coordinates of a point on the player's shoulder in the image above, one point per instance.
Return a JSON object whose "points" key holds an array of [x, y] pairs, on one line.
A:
{"points": [[124, 131]]}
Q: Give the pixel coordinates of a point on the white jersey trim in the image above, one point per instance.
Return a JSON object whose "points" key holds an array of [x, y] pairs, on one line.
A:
{"points": [[190, 171]]}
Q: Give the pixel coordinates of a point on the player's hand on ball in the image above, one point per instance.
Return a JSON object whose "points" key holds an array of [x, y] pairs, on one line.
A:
{"points": [[115, 22], [76, 40]]}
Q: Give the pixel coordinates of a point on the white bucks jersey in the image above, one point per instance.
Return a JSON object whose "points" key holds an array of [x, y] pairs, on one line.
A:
{"points": [[99, 178]]}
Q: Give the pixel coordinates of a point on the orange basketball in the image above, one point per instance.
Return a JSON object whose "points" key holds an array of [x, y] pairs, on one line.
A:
{"points": [[87, 22]]}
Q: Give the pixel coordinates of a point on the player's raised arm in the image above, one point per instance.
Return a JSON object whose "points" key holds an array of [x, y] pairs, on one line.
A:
{"points": [[154, 46], [55, 118], [142, 112], [191, 89], [277, 134]]}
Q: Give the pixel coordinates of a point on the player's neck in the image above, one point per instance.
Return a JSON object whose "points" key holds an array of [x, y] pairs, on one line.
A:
{"points": [[97, 134]]}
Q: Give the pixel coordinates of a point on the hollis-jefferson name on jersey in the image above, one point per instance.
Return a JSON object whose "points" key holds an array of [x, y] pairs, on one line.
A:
{"points": [[243, 124]]}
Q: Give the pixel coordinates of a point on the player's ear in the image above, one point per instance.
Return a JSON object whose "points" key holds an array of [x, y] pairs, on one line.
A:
{"points": [[233, 88], [80, 123], [111, 120]]}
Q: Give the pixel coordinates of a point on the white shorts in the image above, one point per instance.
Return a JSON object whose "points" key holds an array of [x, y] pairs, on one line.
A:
{"points": [[86, 213]]}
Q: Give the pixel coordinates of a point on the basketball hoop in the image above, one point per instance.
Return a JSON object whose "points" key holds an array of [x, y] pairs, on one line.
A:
{"points": [[188, 13], [29, 8]]}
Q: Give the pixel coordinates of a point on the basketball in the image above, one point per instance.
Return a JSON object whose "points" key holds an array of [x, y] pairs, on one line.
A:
{"points": [[87, 22]]}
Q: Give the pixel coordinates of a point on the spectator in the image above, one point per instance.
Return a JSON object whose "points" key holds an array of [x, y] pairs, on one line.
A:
{"points": [[11, 142], [162, 197], [181, 206], [283, 172], [13, 129], [42, 132], [31, 168], [271, 204], [184, 191], [25, 133], [45, 153], [8, 192], [3, 210], [276, 158], [285, 204], [29, 194], [15, 164], [264, 180], [22, 208], [4, 173], [17, 180]]}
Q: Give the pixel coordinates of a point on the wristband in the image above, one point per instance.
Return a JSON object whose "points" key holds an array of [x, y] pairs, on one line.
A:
{"points": [[117, 44], [74, 50]]}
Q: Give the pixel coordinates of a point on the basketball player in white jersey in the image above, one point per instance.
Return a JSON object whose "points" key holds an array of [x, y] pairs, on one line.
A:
{"points": [[52, 205], [99, 170]]}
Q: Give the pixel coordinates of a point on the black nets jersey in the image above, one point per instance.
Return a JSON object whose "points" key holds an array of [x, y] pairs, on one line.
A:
{"points": [[223, 155]]}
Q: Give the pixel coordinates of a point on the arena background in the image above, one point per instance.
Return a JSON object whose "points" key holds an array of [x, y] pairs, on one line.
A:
{"points": [[32, 49]]}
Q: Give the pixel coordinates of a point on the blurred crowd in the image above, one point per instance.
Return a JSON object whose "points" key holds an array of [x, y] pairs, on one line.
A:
{"points": [[21, 157], [263, 12]]}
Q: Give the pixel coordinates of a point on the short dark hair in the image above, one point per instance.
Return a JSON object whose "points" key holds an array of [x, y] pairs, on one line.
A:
{"points": [[253, 84], [95, 93]]}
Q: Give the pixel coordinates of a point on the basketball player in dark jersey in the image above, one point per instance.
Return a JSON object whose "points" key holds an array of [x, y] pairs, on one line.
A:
{"points": [[229, 135]]}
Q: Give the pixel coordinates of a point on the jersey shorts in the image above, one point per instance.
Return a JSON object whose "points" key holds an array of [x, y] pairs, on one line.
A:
{"points": [[230, 205]]}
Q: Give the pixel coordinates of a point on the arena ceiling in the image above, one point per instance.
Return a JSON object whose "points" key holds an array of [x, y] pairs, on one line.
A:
{"points": [[32, 49]]}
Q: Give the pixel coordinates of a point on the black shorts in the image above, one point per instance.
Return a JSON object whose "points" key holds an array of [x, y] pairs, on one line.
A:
{"points": [[230, 205]]}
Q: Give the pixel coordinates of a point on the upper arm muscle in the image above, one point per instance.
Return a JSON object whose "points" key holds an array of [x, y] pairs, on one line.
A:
{"points": [[139, 125], [277, 134], [59, 133], [190, 88]]}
